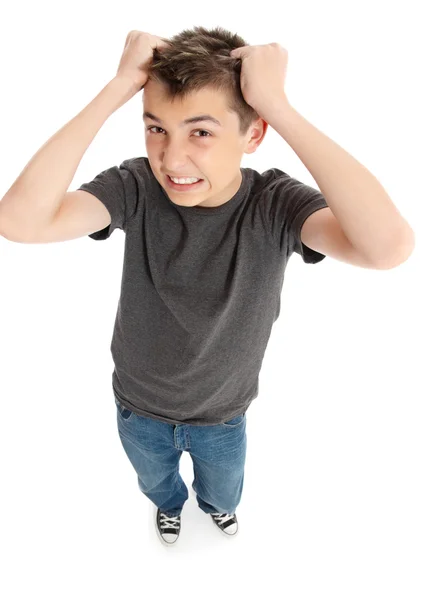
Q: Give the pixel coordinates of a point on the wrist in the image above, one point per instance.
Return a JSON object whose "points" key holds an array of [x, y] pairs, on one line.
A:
{"points": [[128, 83]]}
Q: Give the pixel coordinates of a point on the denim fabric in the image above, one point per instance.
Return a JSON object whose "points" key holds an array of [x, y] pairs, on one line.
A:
{"points": [[218, 453]]}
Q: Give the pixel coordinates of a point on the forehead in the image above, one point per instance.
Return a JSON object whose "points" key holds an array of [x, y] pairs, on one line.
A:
{"points": [[201, 102]]}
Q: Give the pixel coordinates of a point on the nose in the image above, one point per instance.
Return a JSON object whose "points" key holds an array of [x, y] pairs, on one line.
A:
{"points": [[175, 158]]}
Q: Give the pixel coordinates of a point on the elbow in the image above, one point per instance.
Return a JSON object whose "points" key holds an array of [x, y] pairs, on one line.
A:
{"points": [[401, 252]]}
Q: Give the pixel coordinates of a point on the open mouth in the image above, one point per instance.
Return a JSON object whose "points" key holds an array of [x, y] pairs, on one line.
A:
{"points": [[183, 187]]}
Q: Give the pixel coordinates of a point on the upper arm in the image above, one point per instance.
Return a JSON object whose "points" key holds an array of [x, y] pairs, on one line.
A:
{"points": [[79, 214], [322, 232]]}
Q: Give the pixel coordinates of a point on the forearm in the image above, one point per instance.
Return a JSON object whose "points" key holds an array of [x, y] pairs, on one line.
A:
{"points": [[37, 193], [362, 207]]}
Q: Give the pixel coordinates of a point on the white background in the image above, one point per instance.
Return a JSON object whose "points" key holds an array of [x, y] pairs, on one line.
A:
{"points": [[334, 495]]}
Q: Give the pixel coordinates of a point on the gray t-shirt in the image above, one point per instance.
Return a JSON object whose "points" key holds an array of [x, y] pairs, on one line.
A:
{"points": [[200, 289]]}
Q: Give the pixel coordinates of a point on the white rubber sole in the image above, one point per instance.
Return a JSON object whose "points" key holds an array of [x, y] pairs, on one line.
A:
{"points": [[166, 544], [228, 535]]}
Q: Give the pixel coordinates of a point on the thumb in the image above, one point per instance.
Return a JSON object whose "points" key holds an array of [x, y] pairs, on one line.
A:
{"points": [[236, 53]]}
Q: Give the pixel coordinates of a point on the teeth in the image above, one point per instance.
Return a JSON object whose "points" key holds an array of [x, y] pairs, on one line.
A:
{"points": [[184, 179]]}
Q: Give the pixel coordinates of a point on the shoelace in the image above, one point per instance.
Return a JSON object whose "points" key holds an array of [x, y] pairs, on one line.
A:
{"points": [[169, 522], [222, 517]]}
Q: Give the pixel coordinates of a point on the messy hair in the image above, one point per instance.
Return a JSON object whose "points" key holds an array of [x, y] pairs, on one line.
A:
{"points": [[200, 58]]}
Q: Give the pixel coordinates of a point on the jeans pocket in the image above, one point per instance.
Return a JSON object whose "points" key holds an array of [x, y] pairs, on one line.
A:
{"points": [[238, 420], [124, 412]]}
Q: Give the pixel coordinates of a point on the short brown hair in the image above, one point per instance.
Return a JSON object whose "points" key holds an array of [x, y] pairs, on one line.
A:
{"points": [[200, 58]]}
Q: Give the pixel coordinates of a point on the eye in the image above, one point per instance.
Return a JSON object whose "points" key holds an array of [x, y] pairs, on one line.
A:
{"points": [[153, 127], [196, 131]]}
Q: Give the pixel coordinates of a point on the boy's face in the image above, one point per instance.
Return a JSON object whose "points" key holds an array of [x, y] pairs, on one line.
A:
{"points": [[201, 149]]}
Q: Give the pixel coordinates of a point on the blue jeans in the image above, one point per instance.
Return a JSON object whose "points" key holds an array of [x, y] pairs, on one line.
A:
{"points": [[218, 455]]}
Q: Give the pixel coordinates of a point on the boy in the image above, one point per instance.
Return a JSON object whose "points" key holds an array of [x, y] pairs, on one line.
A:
{"points": [[206, 247]]}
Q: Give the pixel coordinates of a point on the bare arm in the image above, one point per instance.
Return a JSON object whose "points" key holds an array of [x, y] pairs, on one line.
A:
{"points": [[33, 201], [35, 196]]}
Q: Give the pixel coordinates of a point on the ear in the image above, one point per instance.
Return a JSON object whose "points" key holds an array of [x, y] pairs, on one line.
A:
{"points": [[258, 132]]}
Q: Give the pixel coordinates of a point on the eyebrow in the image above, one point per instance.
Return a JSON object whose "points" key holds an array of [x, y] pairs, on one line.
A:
{"points": [[197, 119]]}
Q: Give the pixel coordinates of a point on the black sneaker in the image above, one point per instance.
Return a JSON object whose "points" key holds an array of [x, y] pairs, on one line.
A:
{"points": [[228, 524], [168, 528]]}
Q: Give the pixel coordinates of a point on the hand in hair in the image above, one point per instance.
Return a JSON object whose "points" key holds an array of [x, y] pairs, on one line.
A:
{"points": [[263, 72], [137, 56]]}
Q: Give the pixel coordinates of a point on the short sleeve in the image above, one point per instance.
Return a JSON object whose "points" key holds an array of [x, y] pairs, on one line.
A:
{"points": [[117, 189], [292, 203]]}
